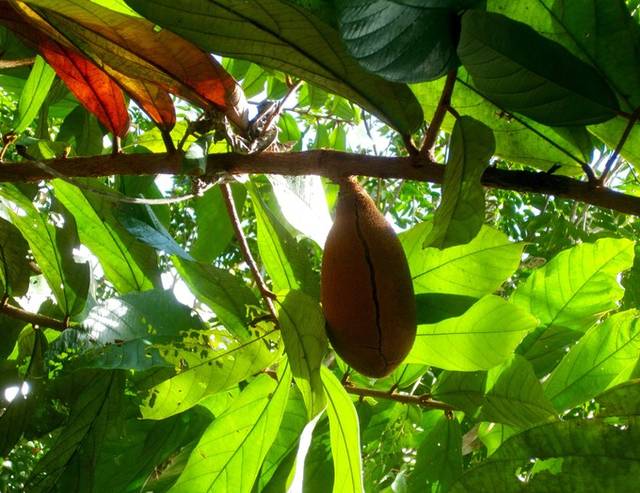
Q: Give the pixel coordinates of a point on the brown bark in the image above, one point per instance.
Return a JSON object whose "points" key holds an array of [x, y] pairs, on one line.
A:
{"points": [[323, 163]]}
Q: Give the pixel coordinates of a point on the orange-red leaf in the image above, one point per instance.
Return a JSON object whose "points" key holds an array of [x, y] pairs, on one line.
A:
{"points": [[154, 101], [132, 46], [90, 84]]}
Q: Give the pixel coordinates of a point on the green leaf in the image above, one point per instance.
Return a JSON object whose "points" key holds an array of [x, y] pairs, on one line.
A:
{"points": [[82, 128], [578, 285], [515, 397], [517, 140], [589, 367], [546, 346], [205, 367], [52, 248], [69, 463], [345, 437], [522, 71], [137, 450], [574, 455], [231, 451], [289, 132], [463, 390], [401, 41], [111, 245], [228, 296], [439, 457], [278, 460], [213, 227], [621, 400], [289, 38], [485, 336], [432, 308], [33, 94], [124, 332], [305, 341], [461, 213], [284, 258], [14, 266], [475, 269]]}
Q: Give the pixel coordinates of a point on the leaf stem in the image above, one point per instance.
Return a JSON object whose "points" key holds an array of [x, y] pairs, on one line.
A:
{"points": [[422, 400], [444, 104], [623, 139], [267, 294]]}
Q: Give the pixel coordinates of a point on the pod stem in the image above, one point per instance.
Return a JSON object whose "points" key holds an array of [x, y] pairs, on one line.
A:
{"points": [[424, 400]]}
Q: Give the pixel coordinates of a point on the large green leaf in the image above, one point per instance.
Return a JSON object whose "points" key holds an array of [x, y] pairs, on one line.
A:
{"points": [[231, 451], [461, 213], [305, 341], [592, 364], [475, 269], [125, 332], [400, 41], [485, 336], [122, 265], [33, 94], [611, 133], [206, 367], [228, 297], [70, 462], [522, 71], [515, 397], [463, 390], [286, 37], [575, 455], [600, 32], [345, 436], [579, 285], [83, 131], [546, 346], [132, 453], [52, 248], [285, 260], [621, 400], [517, 140], [438, 458]]}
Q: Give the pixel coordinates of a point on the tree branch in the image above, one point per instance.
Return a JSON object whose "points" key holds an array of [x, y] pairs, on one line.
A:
{"points": [[438, 117], [423, 400], [32, 318], [21, 62], [323, 163]]}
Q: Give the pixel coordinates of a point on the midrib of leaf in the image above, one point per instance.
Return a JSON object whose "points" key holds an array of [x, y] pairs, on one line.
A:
{"points": [[568, 385], [343, 437], [600, 269], [240, 447], [460, 257]]}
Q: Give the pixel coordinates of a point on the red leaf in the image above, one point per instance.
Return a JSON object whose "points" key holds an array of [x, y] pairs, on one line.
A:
{"points": [[154, 101], [90, 84]]}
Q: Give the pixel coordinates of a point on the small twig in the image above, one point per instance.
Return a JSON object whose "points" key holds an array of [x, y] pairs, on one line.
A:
{"points": [[244, 248], [20, 62], [292, 90], [423, 400], [116, 147], [32, 318], [623, 139], [7, 140], [438, 117]]}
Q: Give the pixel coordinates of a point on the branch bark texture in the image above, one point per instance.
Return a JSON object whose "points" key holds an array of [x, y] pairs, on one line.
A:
{"points": [[332, 164]]}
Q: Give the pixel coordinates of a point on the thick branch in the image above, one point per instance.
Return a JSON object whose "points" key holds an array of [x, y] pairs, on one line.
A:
{"points": [[324, 163], [32, 318], [423, 400]]}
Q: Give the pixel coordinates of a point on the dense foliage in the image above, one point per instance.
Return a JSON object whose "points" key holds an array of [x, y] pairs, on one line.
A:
{"points": [[160, 325]]}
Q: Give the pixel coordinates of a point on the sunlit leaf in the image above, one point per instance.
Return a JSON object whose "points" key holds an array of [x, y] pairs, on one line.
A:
{"points": [[230, 452], [485, 336], [33, 94]]}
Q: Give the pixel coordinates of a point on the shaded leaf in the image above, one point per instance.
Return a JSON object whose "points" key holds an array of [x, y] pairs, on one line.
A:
{"points": [[621, 400], [432, 308], [532, 75], [463, 390], [14, 268], [33, 94], [286, 37]]}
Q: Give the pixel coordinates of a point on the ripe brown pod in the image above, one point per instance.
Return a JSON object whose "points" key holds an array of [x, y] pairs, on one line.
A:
{"points": [[366, 289]]}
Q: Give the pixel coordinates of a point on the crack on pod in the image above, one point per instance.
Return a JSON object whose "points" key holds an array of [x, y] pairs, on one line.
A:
{"points": [[372, 276]]}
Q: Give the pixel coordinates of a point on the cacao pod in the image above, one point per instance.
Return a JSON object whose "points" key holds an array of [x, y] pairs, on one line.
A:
{"points": [[366, 288]]}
